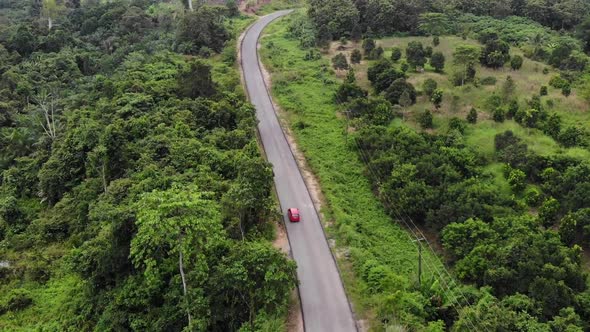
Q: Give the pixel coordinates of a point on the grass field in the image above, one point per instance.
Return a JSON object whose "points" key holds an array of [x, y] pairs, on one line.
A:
{"points": [[304, 90]]}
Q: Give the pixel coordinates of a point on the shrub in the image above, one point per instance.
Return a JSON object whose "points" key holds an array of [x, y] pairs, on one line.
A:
{"points": [[499, 114], [472, 116], [435, 41], [517, 180], [396, 54], [516, 62], [437, 61], [532, 197], [376, 53], [543, 90], [429, 86], [368, 45], [545, 70], [16, 300], [557, 82], [566, 90], [339, 62], [488, 80], [428, 51], [457, 124], [425, 119], [355, 56]]}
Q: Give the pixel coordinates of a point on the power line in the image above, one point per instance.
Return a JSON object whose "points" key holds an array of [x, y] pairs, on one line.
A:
{"points": [[444, 284]]}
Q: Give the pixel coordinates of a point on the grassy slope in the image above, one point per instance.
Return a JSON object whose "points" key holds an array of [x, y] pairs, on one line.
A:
{"points": [[304, 90], [528, 80]]}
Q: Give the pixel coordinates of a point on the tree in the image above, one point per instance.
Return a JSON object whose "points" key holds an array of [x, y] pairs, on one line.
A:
{"points": [[233, 9], [252, 278], [376, 53], [201, 28], [566, 90], [386, 78], [347, 92], [355, 56], [415, 54], [350, 76], [516, 62], [495, 53], [48, 111], [338, 16], [51, 9], [196, 81], [356, 34], [368, 46], [472, 116], [508, 88], [435, 41], [428, 51], [425, 119], [517, 180], [466, 56], [179, 221], [339, 62], [499, 114], [549, 211], [397, 88], [429, 86], [396, 54], [434, 23], [437, 61], [436, 98]]}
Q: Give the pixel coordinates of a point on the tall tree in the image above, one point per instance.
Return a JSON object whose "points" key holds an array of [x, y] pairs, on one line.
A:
{"points": [[180, 221], [466, 56]]}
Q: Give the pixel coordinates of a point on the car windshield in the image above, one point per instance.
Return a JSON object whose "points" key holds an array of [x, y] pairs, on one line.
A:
{"points": [[295, 215]]}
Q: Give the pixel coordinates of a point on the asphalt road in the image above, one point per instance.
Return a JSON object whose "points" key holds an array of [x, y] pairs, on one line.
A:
{"points": [[323, 300]]}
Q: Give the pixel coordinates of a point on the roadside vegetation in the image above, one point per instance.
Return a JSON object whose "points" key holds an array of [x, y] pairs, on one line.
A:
{"points": [[133, 193], [475, 131]]}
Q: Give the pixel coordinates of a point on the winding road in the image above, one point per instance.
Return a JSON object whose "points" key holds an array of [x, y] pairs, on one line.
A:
{"points": [[323, 300]]}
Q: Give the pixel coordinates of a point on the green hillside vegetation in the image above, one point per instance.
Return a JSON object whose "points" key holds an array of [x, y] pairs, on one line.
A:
{"points": [[133, 193], [497, 175]]}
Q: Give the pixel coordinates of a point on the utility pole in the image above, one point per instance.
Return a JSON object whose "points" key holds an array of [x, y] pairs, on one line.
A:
{"points": [[419, 260]]}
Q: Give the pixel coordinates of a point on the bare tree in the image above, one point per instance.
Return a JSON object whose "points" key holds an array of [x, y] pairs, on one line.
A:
{"points": [[47, 108]]}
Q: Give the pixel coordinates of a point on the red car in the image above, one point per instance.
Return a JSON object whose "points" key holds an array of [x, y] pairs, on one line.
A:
{"points": [[293, 214]]}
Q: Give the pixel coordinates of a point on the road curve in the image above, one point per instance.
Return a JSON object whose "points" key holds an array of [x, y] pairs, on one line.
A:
{"points": [[323, 300]]}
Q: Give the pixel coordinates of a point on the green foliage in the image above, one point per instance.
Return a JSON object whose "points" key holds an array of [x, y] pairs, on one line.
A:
{"points": [[415, 54], [425, 119], [339, 62], [396, 54], [201, 29], [436, 97], [543, 90], [429, 86], [437, 61], [368, 46], [339, 17], [472, 116], [355, 56], [397, 89], [516, 62], [517, 180]]}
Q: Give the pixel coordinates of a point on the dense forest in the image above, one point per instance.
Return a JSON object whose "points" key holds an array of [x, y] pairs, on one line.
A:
{"points": [[513, 223], [133, 193]]}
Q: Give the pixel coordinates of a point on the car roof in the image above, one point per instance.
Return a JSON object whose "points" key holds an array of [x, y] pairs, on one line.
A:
{"points": [[294, 210]]}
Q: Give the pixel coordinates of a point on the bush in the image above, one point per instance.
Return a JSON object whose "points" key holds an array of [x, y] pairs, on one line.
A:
{"points": [[17, 299], [516, 62], [339, 62], [517, 180], [437, 61], [557, 82], [396, 54], [532, 197], [425, 119], [429, 86], [428, 51], [488, 80], [368, 46], [543, 90], [499, 114], [472, 116], [355, 56], [312, 54], [566, 90], [435, 41], [457, 124]]}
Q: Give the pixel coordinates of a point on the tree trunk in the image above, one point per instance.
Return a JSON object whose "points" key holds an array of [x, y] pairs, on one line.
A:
{"points": [[104, 177], [181, 268], [49, 23], [190, 5]]}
